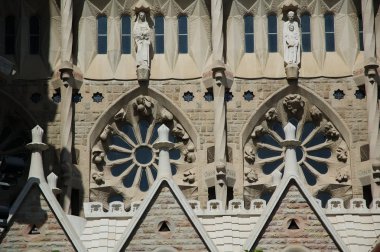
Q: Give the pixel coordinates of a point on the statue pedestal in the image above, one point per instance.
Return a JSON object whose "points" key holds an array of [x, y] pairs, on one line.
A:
{"points": [[291, 71], [143, 74]]}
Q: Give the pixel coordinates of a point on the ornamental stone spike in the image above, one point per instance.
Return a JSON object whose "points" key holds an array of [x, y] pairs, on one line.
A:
{"points": [[291, 164], [164, 145], [37, 146]]}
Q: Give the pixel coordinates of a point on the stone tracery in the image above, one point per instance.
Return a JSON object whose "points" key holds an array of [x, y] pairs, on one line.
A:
{"points": [[322, 153], [124, 161]]}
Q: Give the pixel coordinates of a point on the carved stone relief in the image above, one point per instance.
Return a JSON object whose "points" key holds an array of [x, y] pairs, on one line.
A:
{"points": [[322, 153], [124, 162]]}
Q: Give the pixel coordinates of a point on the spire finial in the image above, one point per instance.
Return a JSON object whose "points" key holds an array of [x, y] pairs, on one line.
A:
{"points": [[37, 146]]}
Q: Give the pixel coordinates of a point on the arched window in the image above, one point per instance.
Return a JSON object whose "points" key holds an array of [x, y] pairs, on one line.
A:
{"points": [[10, 35], [272, 33], [159, 34], [329, 32], [125, 34], [34, 35], [361, 42], [306, 36], [102, 34], [249, 34], [182, 34]]}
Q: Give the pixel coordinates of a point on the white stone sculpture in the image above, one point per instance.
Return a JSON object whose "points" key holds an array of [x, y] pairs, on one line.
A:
{"points": [[291, 40], [142, 34]]}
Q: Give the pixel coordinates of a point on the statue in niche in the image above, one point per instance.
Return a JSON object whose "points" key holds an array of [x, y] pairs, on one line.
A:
{"points": [[142, 37], [291, 40]]}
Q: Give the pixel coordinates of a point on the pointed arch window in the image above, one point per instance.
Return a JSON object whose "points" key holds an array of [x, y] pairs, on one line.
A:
{"points": [[125, 34], [102, 34], [34, 35], [272, 33], [249, 34], [306, 35], [10, 35], [159, 23], [329, 32], [182, 34], [361, 41]]}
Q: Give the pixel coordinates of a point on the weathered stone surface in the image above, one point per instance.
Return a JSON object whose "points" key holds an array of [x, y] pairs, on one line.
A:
{"points": [[182, 235], [35, 211], [311, 233]]}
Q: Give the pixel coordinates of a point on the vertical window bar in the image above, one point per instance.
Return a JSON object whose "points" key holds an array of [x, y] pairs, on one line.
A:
{"points": [[182, 34], [10, 35], [272, 33], [159, 34], [329, 33], [34, 35], [361, 41], [126, 34], [102, 34], [249, 34], [306, 36]]}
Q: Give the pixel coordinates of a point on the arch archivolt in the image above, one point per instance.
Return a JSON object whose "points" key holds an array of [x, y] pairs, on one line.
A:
{"points": [[323, 152], [124, 163]]}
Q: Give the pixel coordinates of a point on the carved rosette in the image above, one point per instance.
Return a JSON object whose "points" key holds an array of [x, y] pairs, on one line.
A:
{"points": [[322, 153], [124, 163]]}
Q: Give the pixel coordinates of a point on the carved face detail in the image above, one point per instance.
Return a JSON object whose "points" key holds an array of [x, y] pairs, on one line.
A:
{"points": [[290, 16], [142, 16]]}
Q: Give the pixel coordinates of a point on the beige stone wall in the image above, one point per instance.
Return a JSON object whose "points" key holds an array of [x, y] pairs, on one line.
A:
{"points": [[182, 235], [35, 211], [311, 234]]}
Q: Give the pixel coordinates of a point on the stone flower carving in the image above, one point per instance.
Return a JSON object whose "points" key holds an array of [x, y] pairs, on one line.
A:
{"points": [[143, 105], [98, 177], [258, 131], [341, 154], [342, 175], [97, 155], [271, 115], [249, 155], [293, 103], [165, 115], [189, 177], [180, 132], [315, 114], [189, 152], [251, 176], [330, 131]]}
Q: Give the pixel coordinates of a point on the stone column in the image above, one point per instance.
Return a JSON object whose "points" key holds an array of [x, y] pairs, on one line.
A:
{"points": [[37, 146], [66, 106], [164, 145], [291, 164], [371, 85], [219, 102]]}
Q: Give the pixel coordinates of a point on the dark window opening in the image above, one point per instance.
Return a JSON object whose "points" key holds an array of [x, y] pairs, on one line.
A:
{"points": [[10, 35], [329, 32], [211, 193], [34, 230], [230, 193], [272, 33], [182, 34], [364, 152], [163, 227], [324, 197], [34, 35], [102, 34], [361, 41], [367, 194], [266, 196], [293, 225], [125, 34], [75, 202], [249, 34], [159, 22], [306, 35]]}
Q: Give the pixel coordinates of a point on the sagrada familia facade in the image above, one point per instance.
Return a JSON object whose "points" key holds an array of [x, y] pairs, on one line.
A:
{"points": [[190, 125]]}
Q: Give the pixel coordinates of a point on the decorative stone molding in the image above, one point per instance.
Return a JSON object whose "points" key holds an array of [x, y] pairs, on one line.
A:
{"points": [[293, 104], [143, 106], [335, 204], [236, 205], [98, 177], [215, 205], [271, 115], [342, 154]]}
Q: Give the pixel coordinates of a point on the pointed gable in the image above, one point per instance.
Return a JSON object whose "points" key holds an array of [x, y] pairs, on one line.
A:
{"points": [[165, 220], [293, 220], [37, 223]]}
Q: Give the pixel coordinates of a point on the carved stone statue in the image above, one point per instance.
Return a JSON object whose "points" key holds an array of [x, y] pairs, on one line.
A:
{"points": [[291, 40], [142, 34]]}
